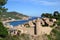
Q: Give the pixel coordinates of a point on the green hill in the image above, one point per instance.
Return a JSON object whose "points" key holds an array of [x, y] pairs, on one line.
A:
{"points": [[12, 15]]}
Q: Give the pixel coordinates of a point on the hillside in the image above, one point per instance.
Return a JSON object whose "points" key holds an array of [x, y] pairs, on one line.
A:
{"points": [[12, 15]]}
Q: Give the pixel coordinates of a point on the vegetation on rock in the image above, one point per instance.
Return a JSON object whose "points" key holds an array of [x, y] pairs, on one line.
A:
{"points": [[12, 15], [55, 33]]}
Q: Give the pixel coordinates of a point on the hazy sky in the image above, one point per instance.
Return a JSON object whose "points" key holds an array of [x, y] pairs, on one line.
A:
{"points": [[33, 7]]}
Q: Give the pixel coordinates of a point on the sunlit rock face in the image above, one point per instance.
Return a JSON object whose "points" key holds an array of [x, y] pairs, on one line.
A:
{"points": [[50, 22], [35, 26], [43, 30], [54, 20], [30, 23], [25, 18]]}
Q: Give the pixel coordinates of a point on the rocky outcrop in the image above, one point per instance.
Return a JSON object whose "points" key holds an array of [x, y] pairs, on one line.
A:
{"points": [[35, 26], [50, 22]]}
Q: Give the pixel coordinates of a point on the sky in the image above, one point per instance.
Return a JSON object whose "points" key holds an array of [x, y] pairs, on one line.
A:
{"points": [[33, 7]]}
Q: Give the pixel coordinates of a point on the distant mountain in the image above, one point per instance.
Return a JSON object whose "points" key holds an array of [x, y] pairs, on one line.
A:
{"points": [[12, 15]]}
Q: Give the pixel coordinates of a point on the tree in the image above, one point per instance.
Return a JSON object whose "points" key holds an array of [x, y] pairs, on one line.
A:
{"points": [[56, 15], [43, 15], [3, 2], [47, 15], [3, 30]]}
